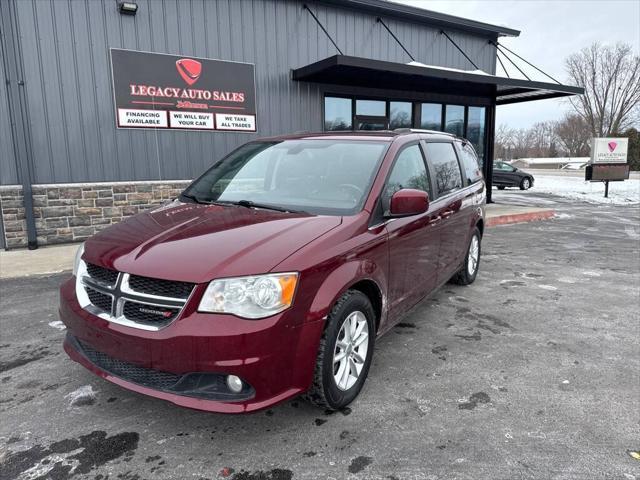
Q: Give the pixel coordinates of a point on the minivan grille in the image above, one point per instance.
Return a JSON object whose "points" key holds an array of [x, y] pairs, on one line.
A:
{"points": [[102, 275], [162, 288], [101, 300], [149, 314], [132, 300]]}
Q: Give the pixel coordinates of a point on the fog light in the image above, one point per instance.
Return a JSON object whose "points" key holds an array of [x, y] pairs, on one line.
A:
{"points": [[234, 384]]}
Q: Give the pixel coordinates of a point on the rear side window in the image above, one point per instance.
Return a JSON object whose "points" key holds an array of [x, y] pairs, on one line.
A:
{"points": [[409, 171], [445, 163], [470, 162]]}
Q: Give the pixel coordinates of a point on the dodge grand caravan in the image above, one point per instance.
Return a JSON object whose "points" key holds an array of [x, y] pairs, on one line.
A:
{"points": [[273, 273]]}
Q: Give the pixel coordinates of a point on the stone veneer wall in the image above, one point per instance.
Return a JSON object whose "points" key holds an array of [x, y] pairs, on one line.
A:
{"points": [[72, 212]]}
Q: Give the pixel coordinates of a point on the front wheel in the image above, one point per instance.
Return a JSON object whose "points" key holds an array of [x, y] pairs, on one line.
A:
{"points": [[525, 184], [467, 274], [345, 352]]}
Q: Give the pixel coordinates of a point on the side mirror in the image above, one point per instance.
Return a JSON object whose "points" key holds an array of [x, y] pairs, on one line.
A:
{"points": [[407, 202]]}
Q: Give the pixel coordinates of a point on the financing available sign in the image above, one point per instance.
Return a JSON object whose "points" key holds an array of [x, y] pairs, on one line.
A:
{"points": [[154, 90], [609, 150]]}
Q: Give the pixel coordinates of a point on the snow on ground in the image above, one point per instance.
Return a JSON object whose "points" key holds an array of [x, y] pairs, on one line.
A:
{"points": [[620, 193]]}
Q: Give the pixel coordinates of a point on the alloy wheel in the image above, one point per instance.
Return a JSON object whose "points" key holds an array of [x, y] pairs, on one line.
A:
{"points": [[474, 255], [350, 353]]}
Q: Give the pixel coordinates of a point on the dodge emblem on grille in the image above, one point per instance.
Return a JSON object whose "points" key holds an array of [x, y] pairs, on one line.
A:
{"points": [[164, 313]]}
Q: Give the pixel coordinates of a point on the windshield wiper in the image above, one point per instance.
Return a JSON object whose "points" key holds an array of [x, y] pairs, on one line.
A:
{"points": [[252, 204], [194, 198]]}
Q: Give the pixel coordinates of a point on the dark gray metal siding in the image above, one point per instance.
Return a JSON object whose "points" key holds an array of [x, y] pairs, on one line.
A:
{"points": [[8, 175], [66, 45]]}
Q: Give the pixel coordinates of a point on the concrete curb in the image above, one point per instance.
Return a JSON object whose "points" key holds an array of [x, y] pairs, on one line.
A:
{"points": [[520, 218]]}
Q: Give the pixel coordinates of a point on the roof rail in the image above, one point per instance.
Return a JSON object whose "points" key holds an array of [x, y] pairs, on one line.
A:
{"points": [[423, 130]]}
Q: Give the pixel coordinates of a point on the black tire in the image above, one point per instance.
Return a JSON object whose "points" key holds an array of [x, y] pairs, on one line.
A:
{"points": [[463, 277], [324, 391], [525, 184], [501, 187]]}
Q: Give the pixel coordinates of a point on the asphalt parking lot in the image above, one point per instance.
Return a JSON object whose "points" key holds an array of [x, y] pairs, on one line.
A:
{"points": [[533, 372]]}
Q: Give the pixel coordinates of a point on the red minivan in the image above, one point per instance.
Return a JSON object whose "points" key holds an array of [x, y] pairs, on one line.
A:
{"points": [[275, 271]]}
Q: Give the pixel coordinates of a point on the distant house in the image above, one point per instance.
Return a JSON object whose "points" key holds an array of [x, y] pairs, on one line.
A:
{"points": [[556, 163]]}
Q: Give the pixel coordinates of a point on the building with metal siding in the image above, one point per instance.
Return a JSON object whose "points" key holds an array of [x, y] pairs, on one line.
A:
{"points": [[57, 124]]}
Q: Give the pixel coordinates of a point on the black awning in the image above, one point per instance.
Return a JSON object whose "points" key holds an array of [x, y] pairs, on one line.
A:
{"points": [[365, 72]]}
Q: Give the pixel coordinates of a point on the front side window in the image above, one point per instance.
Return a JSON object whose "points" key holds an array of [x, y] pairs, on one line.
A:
{"points": [[409, 171], [317, 176], [445, 163], [337, 114], [505, 167], [470, 162]]}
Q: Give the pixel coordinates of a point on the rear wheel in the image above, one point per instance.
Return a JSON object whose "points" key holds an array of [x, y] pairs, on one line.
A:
{"points": [[345, 352], [525, 184], [467, 274]]}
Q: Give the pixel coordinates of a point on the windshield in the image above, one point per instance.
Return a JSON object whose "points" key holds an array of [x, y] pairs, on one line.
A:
{"points": [[324, 177]]}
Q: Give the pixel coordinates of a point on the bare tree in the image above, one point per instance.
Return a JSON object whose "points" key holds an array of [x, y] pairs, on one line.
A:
{"points": [[522, 142], [610, 76], [504, 142], [543, 139], [573, 135]]}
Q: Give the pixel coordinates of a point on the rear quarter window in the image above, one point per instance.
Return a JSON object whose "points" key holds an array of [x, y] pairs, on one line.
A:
{"points": [[470, 163], [445, 163]]}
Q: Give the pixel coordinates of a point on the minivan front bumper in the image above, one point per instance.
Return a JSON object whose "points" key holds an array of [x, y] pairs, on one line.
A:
{"points": [[187, 361]]}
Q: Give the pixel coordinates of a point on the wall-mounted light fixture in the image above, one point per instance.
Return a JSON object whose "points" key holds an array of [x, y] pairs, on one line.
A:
{"points": [[128, 8]]}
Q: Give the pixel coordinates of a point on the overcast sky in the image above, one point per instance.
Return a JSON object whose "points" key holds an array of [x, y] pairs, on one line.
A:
{"points": [[550, 31]]}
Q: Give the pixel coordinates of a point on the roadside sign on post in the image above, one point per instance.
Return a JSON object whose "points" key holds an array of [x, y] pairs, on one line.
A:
{"points": [[608, 161]]}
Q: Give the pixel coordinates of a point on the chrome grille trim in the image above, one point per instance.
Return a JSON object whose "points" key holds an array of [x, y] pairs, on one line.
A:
{"points": [[126, 288], [121, 293]]}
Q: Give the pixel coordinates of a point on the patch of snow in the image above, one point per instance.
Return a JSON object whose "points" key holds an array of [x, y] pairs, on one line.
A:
{"points": [[592, 274], [84, 395], [567, 280], [48, 463], [58, 325], [547, 287], [475, 72], [631, 232], [620, 193]]}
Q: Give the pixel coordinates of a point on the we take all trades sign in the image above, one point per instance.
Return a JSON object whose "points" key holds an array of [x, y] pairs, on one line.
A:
{"points": [[159, 91]]}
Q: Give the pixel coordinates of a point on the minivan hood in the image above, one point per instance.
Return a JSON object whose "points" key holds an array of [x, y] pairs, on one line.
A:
{"points": [[197, 243]]}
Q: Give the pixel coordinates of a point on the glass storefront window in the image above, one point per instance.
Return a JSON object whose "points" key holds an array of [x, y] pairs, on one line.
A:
{"points": [[337, 114], [371, 125], [475, 130], [431, 116], [454, 120], [400, 115], [371, 108]]}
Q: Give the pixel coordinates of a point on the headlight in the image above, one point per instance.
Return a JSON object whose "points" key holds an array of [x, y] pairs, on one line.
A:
{"points": [[78, 259], [257, 296]]}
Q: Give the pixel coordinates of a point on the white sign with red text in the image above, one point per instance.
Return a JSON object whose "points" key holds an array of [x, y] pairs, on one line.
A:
{"points": [[232, 121], [191, 120], [129, 117]]}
